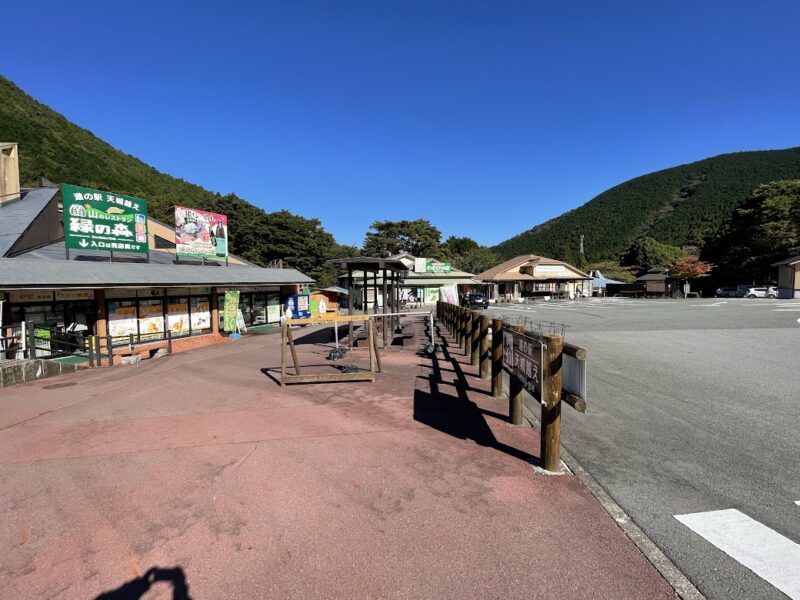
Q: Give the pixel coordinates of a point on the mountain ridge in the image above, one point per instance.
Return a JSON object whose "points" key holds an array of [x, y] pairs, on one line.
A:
{"points": [[682, 206], [53, 147]]}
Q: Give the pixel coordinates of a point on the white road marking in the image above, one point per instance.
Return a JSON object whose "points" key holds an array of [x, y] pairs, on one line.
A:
{"points": [[787, 310], [797, 502], [767, 553], [525, 310], [713, 303]]}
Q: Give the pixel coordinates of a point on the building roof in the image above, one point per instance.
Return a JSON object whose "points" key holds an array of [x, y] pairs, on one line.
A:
{"points": [[335, 289], [653, 277], [787, 262], [370, 264], [22, 273], [55, 251], [45, 265], [501, 271], [413, 278], [17, 215], [599, 280], [454, 277], [438, 280]]}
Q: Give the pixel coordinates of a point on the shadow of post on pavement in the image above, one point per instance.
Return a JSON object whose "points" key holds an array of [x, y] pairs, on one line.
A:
{"points": [[457, 415], [136, 588]]}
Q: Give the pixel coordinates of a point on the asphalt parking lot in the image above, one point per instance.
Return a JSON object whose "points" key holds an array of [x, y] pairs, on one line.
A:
{"points": [[694, 406]]}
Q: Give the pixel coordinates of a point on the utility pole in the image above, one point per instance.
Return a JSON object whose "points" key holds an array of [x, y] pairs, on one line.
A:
{"points": [[581, 244]]}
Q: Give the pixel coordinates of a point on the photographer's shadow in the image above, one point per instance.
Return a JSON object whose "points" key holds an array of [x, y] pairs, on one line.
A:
{"points": [[136, 588]]}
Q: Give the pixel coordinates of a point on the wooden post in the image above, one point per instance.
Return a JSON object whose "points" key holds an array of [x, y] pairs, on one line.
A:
{"points": [[463, 325], [475, 348], [364, 299], [385, 307], [550, 449], [350, 304], [484, 347], [375, 292], [374, 334], [516, 394], [293, 349], [467, 345], [214, 311], [283, 352], [371, 344], [449, 312], [497, 358]]}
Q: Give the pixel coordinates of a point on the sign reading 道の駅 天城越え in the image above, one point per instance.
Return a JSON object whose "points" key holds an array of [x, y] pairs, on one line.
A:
{"points": [[523, 358], [97, 220], [200, 234]]}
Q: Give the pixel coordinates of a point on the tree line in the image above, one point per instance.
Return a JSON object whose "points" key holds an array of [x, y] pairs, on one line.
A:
{"points": [[706, 209]]}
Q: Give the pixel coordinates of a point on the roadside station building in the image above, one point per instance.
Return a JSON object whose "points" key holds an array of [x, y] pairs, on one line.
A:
{"points": [[120, 293], [531, 276], [788, 277], [427, 280], [657, 283]]}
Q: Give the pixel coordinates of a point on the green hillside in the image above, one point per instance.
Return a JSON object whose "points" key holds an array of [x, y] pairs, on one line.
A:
{"points": [[681, 206], [50, 146]]}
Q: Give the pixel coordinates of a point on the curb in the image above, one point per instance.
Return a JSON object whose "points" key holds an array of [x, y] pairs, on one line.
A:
{"points": [[684, 588]]}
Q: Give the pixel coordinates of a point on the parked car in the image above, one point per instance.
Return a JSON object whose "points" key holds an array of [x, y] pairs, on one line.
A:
{"points": [[475, 300], [762, 292], [726, 292]]}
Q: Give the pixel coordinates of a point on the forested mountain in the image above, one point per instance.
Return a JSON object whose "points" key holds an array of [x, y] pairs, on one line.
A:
{"points": [[763, 230], [684, 206], [50, 146]]}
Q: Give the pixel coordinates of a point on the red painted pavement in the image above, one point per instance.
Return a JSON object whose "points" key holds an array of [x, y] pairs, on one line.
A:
{"points": [[411, 487]]}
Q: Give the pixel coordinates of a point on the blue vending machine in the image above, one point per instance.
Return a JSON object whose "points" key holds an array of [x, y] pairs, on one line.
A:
{"points": [[297, 307]]}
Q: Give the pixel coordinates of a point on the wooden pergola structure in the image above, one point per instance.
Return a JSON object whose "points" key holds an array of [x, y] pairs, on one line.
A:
{"points": [[392, 271]]}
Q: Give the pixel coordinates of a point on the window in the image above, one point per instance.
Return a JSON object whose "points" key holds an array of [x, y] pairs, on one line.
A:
{"points": [[259, 308], [122, 320], [151, 319], [200, 310], [178, 316]]}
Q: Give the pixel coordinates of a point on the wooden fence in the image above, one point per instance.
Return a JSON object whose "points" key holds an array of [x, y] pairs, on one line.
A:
{"points": [[535, 363]]}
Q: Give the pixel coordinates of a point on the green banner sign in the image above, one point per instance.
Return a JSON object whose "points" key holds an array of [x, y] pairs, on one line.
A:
{"points": [[96, 220], [230, 311], [437, 267]]}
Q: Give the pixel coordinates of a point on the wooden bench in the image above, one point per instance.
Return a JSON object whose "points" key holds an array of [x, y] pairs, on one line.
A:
{"points": [[149, 348]]}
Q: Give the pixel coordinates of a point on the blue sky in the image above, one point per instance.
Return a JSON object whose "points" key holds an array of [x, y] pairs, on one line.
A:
{"points": [[484, 117]]}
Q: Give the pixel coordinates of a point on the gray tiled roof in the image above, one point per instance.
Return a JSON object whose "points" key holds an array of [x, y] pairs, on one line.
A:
{"points": [[28, 273], [653, 277], [17, 215], [55, 251]]}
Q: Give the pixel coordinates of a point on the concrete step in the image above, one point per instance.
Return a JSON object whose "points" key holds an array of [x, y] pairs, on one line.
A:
{"points": [[15, 372]]}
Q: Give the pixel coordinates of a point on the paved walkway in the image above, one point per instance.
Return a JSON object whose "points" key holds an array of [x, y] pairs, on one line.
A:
{"points": [[201, 466]]}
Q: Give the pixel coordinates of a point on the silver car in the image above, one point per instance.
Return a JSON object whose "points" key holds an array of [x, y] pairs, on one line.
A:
{"points": [[761, 292]]}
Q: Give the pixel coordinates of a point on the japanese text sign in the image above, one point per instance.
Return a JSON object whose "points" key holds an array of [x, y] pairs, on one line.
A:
{"points": [[437, 267], [523, 358], [200, 234], [95, 220], [230, 311]]}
